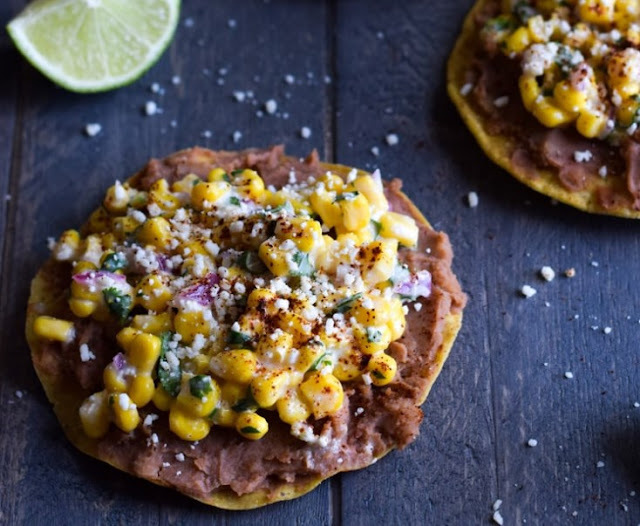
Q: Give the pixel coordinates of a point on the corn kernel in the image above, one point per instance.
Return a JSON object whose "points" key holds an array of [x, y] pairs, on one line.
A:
{"points": [[348, 367], [306, 233], [529, 90], [237, 365], [249, 184], [329, 211], [356, 213], [160, 195], [218, 174], [204, 195], [126, 335], [378, 260], [113, 380], [123, 227], [224, 417], [372, 339], [186, 426], [251, 426], [268, 388], [591, 124], [274, 257], [155, 231], [275, 347], [397, 322], [291, 408], [153, 292], [141, 390], [367, 186], [568, 98], [161, 399], [518, 41], [68, 246], [199, 396], [117, 198], [549, 114], [400, 227], [186, 184], [94, 415], [188, 324], [82, 308], [144, 351], [55, 329], [125, 412], [382, 368], [324, 393], [99, 221], [153, 323]]}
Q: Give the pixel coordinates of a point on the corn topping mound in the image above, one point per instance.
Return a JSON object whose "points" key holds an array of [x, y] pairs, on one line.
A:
{"points": [[580, 62], [235, 299]]}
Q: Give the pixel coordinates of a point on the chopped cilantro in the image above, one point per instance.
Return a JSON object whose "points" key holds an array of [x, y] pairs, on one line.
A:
{"points": [[250, 261], [288, 207], [374, 335], [119, 303], [171, 377], [234, 173], [345, 304], [234, 200], [226, 178], [114, 261], [323, 360], [249, 430], [346, 196], [305, 268], [377, 227], [524, 11], [245, 404], [200, 385], [378, 375], [238, 338], [499, 24]]}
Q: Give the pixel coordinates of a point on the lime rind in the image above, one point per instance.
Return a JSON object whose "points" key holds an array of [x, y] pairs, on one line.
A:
{"points": [[90, 46]]}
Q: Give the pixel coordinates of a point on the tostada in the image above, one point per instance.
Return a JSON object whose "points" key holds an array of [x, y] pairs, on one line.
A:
{"points": [[240, 326], [551, 91]]}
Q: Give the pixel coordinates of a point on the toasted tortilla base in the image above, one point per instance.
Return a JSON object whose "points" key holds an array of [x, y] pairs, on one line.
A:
{"points": [[48, 296], [499, 148]]}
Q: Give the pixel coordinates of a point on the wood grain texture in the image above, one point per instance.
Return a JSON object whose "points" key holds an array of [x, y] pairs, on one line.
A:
{"points": [[385, 63]]}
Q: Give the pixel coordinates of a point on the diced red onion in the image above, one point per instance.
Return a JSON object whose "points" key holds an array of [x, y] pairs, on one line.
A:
{"points": [[415, 286], [119, 361], [91, 277], [201, 292]]}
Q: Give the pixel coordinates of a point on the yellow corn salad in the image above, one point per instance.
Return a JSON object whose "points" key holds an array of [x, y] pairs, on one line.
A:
{"points": [[580, 62], [238, 300]]}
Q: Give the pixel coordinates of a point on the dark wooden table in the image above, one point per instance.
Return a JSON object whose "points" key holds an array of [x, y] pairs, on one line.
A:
{"points": [[362, 69]]}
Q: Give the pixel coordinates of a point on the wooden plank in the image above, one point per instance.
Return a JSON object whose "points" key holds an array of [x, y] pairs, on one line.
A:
{"points": [[391, 82], [61, 176]]}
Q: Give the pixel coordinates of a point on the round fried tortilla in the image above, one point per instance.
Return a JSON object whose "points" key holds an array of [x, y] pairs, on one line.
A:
{"points": [[67, 381], [599, 195]]}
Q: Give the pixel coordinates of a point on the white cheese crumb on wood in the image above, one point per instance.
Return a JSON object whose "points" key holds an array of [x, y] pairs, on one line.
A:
{"points": [[497, 504], [532, 442], [547, 273], [600, 464], [305, 132], [92, 129], [392, 139], [375, 150], [568, 375], [150, 108], [271, 106], [607, 330], [527, 291], [472, 199], [570, 272], [237, 135], [497, 518], [602, 172], [180, 457]]}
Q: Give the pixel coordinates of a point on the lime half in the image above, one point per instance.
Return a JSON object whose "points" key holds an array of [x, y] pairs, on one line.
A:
{"points": [[94, 45]]}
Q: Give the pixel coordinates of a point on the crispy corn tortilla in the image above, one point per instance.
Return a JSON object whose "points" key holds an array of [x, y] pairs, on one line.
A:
{"points": [[499, 148], [48, 296]]}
